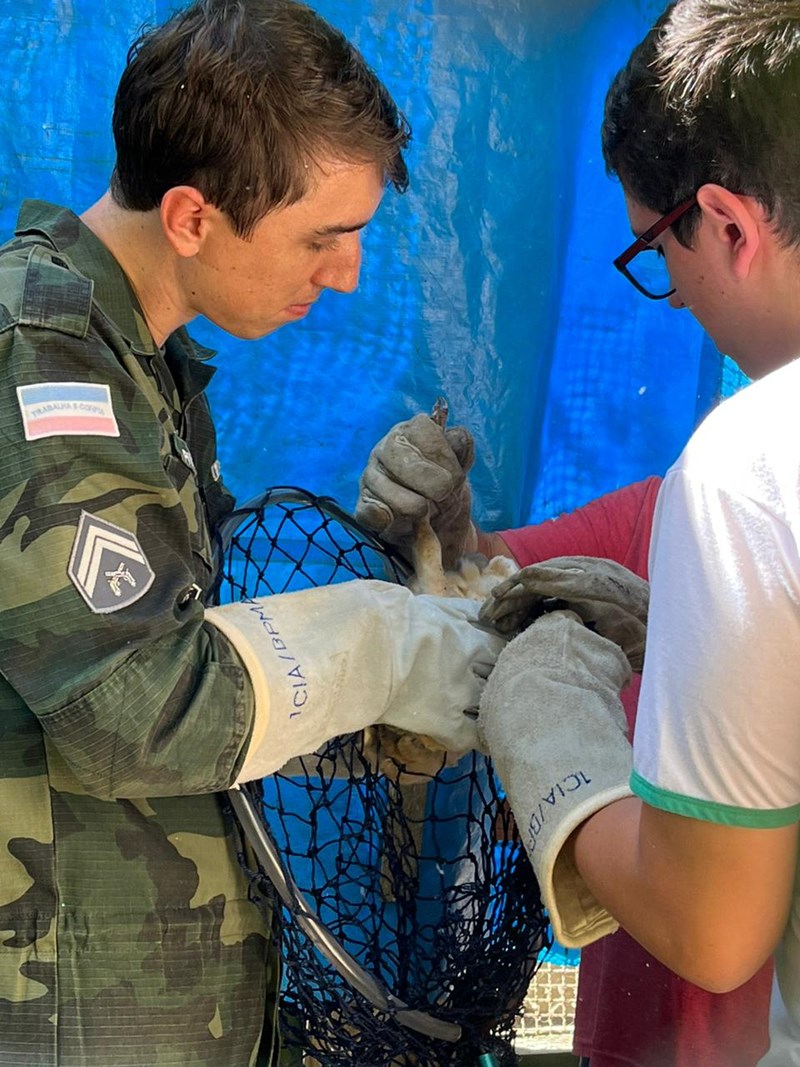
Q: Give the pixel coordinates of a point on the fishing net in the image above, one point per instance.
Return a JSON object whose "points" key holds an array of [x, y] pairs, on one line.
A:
{"points": [[418, 876]]}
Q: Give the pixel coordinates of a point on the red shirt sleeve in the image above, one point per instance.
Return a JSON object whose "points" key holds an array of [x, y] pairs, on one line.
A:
{"points": [[615, 526]]}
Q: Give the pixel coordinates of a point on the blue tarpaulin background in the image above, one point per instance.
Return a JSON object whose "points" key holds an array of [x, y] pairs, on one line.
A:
{"points": [[490, 281]]}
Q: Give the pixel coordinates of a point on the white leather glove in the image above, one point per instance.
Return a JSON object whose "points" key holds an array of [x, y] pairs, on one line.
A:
{"points": [[555, 729], [607, 596], [419, 470], [331, 661]]}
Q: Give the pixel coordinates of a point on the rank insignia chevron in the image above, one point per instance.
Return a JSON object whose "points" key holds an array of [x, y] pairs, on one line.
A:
{"points": [[107, 565]]}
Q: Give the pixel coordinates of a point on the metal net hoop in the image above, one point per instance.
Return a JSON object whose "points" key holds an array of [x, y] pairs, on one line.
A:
{"points": [[420, 876]]}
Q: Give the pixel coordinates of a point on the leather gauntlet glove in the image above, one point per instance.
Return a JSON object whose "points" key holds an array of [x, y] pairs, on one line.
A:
{"points": [[419, 470], [607, 596], [555, 729], [333, 660]]}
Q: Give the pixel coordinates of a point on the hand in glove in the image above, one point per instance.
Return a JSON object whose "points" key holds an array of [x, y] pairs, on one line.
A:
{"points": [[418, 470], [331, 661], [607, 596], [555, 729]]}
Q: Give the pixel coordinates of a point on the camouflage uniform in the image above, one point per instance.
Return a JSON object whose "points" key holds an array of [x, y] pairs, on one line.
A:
{"points": [[126, 934]]}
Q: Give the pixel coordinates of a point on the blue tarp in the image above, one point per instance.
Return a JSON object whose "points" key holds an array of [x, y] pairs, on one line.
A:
{"points": [[490, 281]]}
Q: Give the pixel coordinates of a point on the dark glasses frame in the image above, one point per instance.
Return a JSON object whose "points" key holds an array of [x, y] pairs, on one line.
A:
{"points": [[645, 241]]}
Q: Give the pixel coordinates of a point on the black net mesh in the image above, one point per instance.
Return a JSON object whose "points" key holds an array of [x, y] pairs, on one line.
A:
{"points": [[420, 876]]}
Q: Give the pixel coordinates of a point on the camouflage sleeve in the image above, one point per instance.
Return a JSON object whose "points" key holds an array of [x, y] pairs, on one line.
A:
{"points": [[103, 549]]}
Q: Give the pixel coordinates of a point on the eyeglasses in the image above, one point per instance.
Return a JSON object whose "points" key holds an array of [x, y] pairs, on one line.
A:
{"points": [[650, 275]]}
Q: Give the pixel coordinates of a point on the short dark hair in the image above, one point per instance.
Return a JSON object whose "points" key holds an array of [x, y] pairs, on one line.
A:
{"points": [[712, 94], [237, 98]]}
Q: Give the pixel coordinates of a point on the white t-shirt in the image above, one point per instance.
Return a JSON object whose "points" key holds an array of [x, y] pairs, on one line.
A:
{"points": [[718, 727]]}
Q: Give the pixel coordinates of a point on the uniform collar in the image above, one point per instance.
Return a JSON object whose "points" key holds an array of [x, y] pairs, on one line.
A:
{"points": [[187, 362], [113, 293]]}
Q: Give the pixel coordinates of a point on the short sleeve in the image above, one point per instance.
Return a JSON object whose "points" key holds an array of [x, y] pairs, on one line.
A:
{"points": [[718, 730]]}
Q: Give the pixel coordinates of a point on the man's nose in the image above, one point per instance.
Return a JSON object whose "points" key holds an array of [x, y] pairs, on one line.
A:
{"points": [[342, 265]]}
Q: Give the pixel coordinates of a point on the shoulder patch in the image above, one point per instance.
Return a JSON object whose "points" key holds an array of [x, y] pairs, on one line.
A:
{"points": [[107, 565], [63, 409]]}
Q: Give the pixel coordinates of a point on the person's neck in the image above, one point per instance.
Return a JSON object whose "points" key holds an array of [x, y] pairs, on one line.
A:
{"points": [[136, 240], [766, 310]]}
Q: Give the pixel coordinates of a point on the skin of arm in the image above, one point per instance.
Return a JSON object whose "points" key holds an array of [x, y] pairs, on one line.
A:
{"points": [[709, 901]]}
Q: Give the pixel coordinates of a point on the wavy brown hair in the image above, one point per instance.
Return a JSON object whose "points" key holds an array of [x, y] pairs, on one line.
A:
{"points": [[239, 98]]}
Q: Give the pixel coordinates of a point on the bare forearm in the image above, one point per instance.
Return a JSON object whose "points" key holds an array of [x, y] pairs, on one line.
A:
{"points": [[611, 857], [690, 891]]}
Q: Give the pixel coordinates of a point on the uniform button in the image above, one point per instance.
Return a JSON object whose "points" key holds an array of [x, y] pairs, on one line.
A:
{"points": [[194, 592]]}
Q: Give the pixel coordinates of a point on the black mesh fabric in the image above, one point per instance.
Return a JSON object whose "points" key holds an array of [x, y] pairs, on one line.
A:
{"points": [[421, 877]]}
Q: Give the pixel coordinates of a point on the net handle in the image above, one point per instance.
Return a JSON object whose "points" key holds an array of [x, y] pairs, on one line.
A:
{"points": [[246, 806], [246, 809]]}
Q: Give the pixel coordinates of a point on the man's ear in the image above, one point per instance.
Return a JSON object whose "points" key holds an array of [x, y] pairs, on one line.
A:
{"points": [[184, 215], [736, 222]]}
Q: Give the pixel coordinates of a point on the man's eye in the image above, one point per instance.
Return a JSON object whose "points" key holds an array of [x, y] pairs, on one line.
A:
{"points": [[328, 245]]}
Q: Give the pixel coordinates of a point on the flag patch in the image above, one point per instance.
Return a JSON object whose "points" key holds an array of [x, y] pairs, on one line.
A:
{"points": [[56, 409], [107, 565]]}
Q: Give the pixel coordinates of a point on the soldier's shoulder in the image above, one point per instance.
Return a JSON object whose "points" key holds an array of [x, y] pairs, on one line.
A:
{"points": [[40, 286]]}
